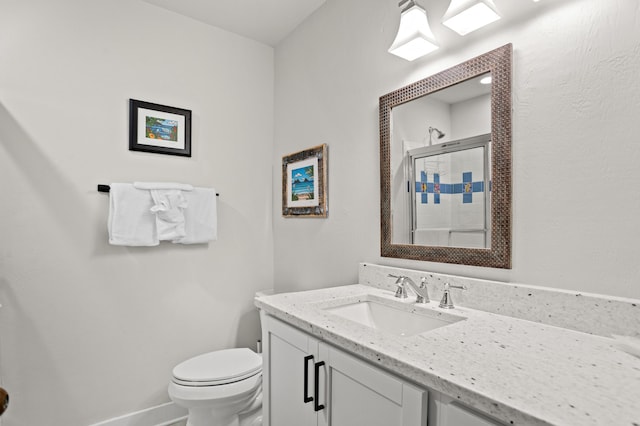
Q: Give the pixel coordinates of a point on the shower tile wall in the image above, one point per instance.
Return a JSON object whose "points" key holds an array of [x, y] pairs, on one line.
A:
{"points": [[467, 187]]}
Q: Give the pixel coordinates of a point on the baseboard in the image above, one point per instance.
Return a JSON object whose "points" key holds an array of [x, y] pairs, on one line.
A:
{"points": [[161, 415]]}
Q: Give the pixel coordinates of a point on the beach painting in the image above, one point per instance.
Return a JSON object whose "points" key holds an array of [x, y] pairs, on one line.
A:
{"points": [[302, 183], [161, 128]]}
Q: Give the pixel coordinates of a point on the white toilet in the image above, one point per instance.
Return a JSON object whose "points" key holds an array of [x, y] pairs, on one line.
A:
{"points": [[221, 388]]}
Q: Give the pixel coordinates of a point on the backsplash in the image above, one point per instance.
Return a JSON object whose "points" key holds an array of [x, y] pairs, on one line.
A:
{"points": [[585, 312]]}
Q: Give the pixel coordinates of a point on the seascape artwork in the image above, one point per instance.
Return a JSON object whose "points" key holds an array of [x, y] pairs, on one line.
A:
{"points": [[162, 129], [302, 184]]}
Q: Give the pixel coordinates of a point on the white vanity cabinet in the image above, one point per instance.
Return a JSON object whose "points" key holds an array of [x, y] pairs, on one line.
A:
{"points": [[309, 382]]}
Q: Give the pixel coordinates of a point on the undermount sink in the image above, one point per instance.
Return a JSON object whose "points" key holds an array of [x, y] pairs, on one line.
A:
{"points": [[391, 319]]}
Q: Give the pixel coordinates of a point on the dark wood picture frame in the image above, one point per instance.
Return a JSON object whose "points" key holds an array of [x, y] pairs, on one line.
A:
{"points": [[167, 131]]}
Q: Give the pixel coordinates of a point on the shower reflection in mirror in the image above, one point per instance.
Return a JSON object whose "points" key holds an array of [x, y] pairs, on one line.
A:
{"points": [[441, 170]]}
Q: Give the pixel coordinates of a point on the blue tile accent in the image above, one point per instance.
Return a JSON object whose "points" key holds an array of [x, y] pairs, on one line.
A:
{"points": [[467, 188], [422, 187]]}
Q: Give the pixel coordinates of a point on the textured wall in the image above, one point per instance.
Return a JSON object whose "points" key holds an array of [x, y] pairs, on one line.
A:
{"points": [[90, 331], [575, 131]]}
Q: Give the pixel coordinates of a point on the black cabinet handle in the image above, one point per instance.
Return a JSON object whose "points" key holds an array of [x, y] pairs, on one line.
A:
{"points": [[316, 386], [307, 398]]}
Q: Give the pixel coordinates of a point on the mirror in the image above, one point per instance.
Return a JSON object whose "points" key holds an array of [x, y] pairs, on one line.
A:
{"points": [[445, 145], [448, 205]]}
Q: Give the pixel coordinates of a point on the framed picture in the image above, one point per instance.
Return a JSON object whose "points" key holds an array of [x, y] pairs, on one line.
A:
{"points": [[304, 183], [159, 128]]}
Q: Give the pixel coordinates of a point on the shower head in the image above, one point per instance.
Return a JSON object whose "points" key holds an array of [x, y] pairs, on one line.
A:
{"points": [[439, 134]]}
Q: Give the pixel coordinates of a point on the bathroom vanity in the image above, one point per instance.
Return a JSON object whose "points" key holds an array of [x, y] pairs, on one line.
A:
{"points": [[300, 391], [358, 392], [356, 355]]}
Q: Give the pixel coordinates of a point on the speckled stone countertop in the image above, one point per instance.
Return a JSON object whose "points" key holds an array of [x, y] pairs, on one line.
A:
{"points": [[518, 371]]}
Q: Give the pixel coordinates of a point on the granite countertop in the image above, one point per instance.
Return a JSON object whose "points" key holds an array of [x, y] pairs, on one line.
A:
{"points": [[520, 372]]}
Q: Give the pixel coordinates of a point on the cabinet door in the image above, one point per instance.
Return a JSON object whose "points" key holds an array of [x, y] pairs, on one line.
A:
{"points": [[285, 352], [446, 411], [359, 394]]}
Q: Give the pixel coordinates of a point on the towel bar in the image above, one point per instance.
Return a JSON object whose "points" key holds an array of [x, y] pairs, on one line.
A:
{"points": [[107, 188]]}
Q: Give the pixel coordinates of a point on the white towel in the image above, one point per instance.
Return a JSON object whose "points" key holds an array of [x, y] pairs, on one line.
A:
{"points": [[131, 222], [169, 208], [163, 185], [201, 218]]}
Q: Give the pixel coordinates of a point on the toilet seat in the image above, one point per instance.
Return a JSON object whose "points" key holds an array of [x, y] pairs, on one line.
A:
{"points": [[218, 368], [191, 394]]}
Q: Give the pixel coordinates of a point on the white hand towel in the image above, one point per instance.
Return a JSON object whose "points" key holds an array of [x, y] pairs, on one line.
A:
{"points": [[201, 217], [163, 185], [169, 211], [131, 223]]}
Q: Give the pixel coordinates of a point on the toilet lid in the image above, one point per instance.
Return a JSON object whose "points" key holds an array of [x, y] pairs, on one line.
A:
{"points": [[219, 367]]}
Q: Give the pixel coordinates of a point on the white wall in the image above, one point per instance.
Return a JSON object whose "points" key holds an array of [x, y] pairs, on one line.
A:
{"points": [[575, 141], [471, 117], [90, 331]]}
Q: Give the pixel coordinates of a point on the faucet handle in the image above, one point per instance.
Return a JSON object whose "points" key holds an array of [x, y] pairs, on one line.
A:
{"points": [[401, 289], [446, 302]]}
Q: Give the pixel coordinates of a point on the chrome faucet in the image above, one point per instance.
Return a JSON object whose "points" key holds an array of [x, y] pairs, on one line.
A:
{"points": [[421, 292]]}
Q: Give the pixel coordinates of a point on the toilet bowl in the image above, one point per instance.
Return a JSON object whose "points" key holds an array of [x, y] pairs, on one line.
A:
{"points": [[221, 388]]}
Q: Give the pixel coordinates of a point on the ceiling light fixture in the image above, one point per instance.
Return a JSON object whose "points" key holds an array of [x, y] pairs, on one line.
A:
{"points": [[465, 16], [414, 38]]}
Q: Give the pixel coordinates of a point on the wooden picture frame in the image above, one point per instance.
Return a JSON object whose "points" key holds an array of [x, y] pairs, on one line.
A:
{"points": [[304, 183]]}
